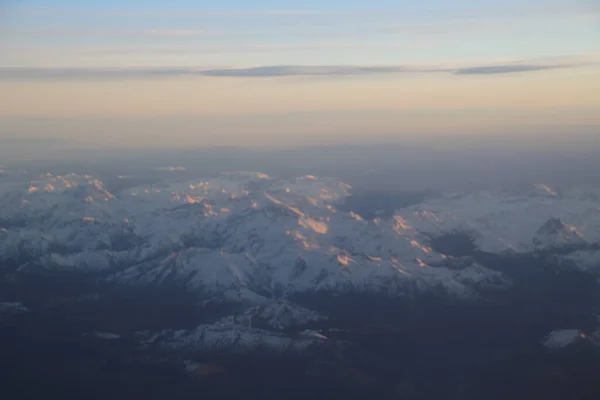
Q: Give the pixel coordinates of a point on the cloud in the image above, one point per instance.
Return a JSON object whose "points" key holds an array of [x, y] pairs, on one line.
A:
{"points": [[256, 72], [282, 71], [506, 69], [34, 73], [322, 46], [175, 33], [78, 32], [82, 12]]}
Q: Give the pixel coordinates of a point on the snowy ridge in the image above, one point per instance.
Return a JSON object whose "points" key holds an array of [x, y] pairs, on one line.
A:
{"points": [[12, 308], [226, 334], [238, 230], [562, 338], [511, 222]]}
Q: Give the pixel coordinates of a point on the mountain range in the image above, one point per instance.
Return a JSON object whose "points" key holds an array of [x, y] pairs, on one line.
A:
{"points": [[257, 242]]}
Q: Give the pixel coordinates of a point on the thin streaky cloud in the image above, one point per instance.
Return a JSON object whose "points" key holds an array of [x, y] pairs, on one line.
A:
{"points": [[506, 69], [125, 12], [482, 26], [174, 33], [386, 25], [91, 73], [282, 71], [130, 73], [286, 71], [250, 48]]}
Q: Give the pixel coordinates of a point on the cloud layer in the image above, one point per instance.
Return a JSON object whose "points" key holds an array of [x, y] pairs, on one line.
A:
{"points": [[269, 71], [326, 70], [506, 69]]}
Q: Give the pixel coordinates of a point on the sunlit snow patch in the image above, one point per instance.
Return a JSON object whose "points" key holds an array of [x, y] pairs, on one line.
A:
{"points": [[545, 189]]}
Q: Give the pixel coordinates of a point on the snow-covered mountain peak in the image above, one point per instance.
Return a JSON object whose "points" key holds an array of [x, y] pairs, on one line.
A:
{"points": [[555, 233], [552, 226], [70, 183], [503, 221]]}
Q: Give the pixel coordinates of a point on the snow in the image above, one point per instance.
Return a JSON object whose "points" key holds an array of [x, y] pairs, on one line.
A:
{"points": [[244, 226], [12, 308], [562, 338], [254, 239], [505, 221], [587, 260], [226, 334]]}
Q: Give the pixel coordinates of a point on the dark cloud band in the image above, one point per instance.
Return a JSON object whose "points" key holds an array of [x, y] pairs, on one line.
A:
{"points": [[505, 69], [259, 72]]}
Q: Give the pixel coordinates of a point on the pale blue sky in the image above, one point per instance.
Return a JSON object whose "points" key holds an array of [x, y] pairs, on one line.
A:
{"points": [[240, 33], [232, 59], [263, 4]]}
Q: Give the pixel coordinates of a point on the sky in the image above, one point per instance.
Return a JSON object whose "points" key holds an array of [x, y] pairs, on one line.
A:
{"points": [[232, 72]]}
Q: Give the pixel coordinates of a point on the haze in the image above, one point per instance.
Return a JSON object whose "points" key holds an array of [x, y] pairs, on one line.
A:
{"points": [[157, 74]]}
